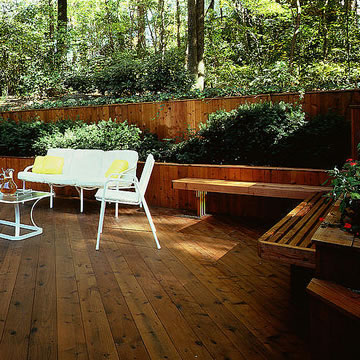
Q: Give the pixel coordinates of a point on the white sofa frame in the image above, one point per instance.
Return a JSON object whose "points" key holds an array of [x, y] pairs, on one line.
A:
{"points": [[84, 169]]}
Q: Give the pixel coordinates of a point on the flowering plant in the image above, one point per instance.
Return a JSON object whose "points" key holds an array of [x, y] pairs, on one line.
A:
{"points": [[346, 187]]}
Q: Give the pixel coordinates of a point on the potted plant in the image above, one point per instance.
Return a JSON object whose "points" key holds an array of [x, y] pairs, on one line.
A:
{"points": [[346, 188]]}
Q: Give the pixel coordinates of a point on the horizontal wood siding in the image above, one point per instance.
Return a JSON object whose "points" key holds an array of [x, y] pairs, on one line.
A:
{"points": [[161, 193], [173, 118]]}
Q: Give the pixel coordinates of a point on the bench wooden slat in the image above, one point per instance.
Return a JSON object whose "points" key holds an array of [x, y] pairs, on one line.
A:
{"points": [[321, 213], [289, 240], [296, 235], [292, 218], [288, 191]]}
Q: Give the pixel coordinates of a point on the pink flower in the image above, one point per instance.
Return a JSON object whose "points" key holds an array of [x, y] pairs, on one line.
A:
{"points": [[349, 160], [353, 163], [347, 226]]}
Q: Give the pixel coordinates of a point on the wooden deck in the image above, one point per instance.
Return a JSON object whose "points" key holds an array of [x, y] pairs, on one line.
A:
{"points": [[204, 295]]}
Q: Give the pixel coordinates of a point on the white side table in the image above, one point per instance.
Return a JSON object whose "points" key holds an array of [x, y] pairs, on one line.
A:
{"points": [[22, 196]]}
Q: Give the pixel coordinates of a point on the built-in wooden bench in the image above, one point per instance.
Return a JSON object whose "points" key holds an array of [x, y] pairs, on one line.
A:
{"points": [[202, 186], [289, 241]]}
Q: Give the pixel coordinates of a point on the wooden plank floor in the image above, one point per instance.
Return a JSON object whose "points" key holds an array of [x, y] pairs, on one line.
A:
{"points": [[204, 295]]}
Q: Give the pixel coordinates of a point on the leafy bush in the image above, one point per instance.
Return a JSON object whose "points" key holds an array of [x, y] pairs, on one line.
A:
{"points": [[166, 73], [17, 138], [151, 144], [82, 82], [253, 134], [104, 135], [323, 142], [246, 135], [120, 78]]}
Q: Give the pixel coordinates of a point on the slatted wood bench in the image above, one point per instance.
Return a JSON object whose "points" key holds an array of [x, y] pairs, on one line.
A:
{"points": [[289, 240], [202, 186]]}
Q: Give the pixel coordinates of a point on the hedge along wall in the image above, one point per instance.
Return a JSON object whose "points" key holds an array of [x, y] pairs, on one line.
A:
{"points": [[172, 118], [160, 192]]}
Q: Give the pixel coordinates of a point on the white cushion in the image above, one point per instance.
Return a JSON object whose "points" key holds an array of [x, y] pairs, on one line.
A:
{"points": [[60, 179], [30, 176], [95, 181], [125, 197], [86, 163], [130, 156], [67, 154]]}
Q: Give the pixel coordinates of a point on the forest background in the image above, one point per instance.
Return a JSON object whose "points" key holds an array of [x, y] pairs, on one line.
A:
{"points": [[211, 47]]}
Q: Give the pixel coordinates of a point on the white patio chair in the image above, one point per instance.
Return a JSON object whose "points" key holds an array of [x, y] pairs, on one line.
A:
{"points": [[114, 193]]}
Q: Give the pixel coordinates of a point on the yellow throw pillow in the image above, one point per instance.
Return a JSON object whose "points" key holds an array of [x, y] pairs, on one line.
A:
{"points": [[53, 165], [38, 165], [117, 167], [48, 165]]}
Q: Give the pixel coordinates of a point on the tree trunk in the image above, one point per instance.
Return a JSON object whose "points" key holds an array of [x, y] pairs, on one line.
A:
{"points": [[141, 44], [196, 41], [161, 26], [295, 34], [178, 24], [325, 30], [109, 23], [51, 20], [61, 28]]}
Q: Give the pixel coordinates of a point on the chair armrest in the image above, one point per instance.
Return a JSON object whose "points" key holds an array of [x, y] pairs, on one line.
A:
{"points": [[28, 168], [123, 176]]}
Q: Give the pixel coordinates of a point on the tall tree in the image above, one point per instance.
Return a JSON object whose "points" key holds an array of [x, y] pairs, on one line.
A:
{"points": [[178, 24], [141, 13], [61, 28], [196, 63], [295, 34]]}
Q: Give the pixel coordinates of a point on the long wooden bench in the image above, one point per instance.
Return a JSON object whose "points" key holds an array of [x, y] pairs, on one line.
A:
{"points": [[202, 186], [289, 240]]}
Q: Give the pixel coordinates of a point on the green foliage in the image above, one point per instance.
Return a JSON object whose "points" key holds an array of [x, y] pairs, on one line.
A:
{"points": [[121, 77], [253, 134], [166, 73], [104, 135], [81, 81], [323, 142], [126, 75], [151, 144], [346, 187], [246, 135], [252, 45], [17, 138]]}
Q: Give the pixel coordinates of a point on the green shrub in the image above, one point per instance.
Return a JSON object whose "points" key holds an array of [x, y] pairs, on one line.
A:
{"points": [[18, 138], [121, 78], [151, 144], [104, 135], [82, 82], [166, 73], [323, 142], [246, 135]]}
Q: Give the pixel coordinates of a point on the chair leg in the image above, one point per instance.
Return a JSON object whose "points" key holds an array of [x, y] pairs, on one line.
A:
{"points": [[148, 215], [81, 200], [116, 209], [101, 222], [51, 197]]}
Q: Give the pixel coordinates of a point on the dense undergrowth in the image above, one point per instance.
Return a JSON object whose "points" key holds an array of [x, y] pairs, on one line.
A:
{"points": [[253, 134]]}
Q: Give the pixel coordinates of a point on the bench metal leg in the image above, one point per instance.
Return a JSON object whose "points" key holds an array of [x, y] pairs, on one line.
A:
{"points": [[201, 203]]}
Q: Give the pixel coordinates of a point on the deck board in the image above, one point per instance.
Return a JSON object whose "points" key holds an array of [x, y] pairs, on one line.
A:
{"points": [[204, 295]]}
